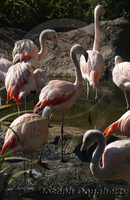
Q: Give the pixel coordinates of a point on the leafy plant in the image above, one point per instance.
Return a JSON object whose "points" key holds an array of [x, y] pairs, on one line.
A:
{"points": [[26, 14], [10, 176]]}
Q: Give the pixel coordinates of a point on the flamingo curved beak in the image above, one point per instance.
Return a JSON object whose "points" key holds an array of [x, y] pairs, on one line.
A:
{"points": [[55, 46]]}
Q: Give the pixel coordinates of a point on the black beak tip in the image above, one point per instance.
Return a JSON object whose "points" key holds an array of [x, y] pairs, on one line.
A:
{"points": [[55, 46], [17, 61]]}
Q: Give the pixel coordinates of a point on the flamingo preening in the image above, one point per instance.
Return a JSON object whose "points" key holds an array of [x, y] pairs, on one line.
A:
{"points": [[121, 76], [31, 135], [26, 55], [115, 157], [61, 95], [26, 50], [92, 71]]}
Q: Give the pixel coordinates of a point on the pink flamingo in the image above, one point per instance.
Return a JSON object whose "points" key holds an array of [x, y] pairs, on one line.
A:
{"points": [[61, 95], [92, 71], [4, 65], [19, 74], [115, 157], [29, 135], [121, 76], [26, 50], [121, 126], [26, 81]]}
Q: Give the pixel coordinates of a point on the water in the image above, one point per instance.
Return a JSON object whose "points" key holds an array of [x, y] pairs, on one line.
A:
{"points": [[111, 105]]}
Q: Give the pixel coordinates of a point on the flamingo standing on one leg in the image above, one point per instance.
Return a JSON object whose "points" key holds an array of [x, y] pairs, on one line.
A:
{"points": [[61, 95], [121, 126], [115, 157], [121, 76], [92, 71], [26, 50], [30, 136]]}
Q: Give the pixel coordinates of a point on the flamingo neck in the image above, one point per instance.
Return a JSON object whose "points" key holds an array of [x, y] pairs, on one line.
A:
{"points": [[43, 51], [40, 78], [95, 167], [96, 45], [78, 74]]}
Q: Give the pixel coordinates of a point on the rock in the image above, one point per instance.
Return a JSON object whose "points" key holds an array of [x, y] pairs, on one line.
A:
{"points": [[114, 40]]}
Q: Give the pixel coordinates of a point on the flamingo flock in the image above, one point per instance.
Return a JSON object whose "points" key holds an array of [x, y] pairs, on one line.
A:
{"points": [[30, 131]]}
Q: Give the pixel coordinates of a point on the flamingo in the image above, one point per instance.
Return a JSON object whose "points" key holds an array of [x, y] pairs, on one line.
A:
{"points": [[19, 74], [121, 76], [26, 81], [115, 157], [5, 65], [61, 95], [30, 136], [26, 50], [92, 71], [121, 126]]}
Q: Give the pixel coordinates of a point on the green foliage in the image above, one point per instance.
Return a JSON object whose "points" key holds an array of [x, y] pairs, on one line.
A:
{"points": [[10, 176], [26, 14]]}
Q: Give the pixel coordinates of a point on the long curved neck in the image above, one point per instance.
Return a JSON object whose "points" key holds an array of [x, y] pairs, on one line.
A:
{"points": [[43, 51], [78, 74], [95, 167], [40, 78], [97, 13]]}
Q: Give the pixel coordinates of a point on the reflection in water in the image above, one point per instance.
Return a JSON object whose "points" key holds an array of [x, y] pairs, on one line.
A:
{"points": [[111, 105]]}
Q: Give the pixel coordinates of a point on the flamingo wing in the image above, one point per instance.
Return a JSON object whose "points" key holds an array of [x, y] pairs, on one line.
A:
{"points": [[92, 71], [29, 134], [56, 92], [121, 75], [16, 77], [121, 126]]}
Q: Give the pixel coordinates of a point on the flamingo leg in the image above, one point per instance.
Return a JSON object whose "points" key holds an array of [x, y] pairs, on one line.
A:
{"points": [[40, 157], [18, 111], [127, 103], [0, 105], [30, 168], [88, 97], [24, 175], [26, 101], [62, 138], [96, 100]]}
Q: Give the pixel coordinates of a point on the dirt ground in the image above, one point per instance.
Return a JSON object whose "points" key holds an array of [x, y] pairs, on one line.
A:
{"points": [[74, 175]]}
